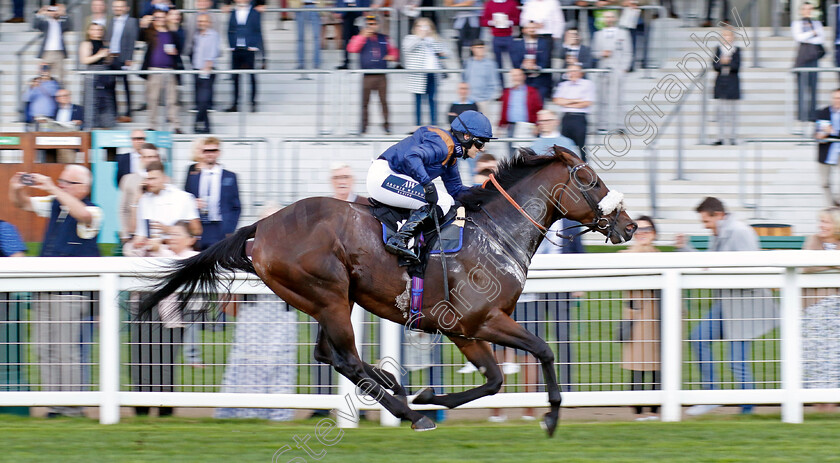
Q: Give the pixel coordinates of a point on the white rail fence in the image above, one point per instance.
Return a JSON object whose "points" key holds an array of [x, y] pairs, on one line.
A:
{"points": [[574, 302]]}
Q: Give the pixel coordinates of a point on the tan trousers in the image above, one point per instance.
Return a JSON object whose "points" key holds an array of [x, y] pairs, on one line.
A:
{"points": [[56, 61], [154, 85], [825, 181]]}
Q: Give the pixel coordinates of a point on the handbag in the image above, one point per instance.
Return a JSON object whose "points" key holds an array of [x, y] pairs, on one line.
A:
{"points": [[809, 52]]}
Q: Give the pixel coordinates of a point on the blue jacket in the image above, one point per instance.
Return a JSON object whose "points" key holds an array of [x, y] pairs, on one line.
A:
{"points": [[229, 205], [251, 30], [427, 154]]}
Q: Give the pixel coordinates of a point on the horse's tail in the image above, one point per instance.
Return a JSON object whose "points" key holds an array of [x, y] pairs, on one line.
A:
{"points": [[201, 273]]}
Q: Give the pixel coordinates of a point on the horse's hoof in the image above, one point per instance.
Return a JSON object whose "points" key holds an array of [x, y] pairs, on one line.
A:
{"points": [[549, 423], [426, 396], [423, 424]]}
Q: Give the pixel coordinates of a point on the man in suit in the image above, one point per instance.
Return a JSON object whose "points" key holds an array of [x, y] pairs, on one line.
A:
{"points": [[217, 194], [53, 21], [613, 47], [68, 113], [205, 52], [572, 51], [828, 153], [130, 162], [245, 39], [532, 54], [123, 32]]}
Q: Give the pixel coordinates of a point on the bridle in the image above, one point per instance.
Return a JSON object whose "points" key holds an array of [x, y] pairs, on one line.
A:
{"points": [[606, 210]]}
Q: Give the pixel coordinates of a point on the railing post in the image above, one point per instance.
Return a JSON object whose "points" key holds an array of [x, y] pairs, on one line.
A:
{"points": [[652, 180], [704, 117], [346, 388], [758, 181], [680, 175], [20, 91], [109, 349], [791, 348], [389, 335], [755, 21], [775, 17], [671, 347]]}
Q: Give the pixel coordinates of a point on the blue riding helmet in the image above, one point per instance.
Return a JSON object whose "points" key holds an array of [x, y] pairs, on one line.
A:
{"points": [[473, 123]]}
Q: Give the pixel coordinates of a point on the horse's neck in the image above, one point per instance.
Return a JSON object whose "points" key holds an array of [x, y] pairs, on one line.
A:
{"points": [[517, 232]]}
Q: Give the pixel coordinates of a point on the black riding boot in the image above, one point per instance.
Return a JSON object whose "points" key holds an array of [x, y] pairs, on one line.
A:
{"points": [[398, 243]]}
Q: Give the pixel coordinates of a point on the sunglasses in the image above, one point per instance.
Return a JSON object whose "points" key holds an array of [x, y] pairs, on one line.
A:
{"points": [[61, 181], [211, 150], [480, 142], [138, 138], [644, 230]]}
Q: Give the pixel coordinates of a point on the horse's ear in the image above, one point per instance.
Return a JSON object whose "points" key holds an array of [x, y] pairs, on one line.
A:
{"points": [[567, 156]]}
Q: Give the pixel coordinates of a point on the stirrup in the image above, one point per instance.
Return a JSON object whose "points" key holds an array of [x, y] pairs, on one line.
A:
{"points": [[396, 246]]}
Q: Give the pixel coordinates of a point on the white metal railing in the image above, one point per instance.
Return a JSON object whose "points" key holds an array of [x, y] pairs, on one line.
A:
{"points": [[670, 273]]}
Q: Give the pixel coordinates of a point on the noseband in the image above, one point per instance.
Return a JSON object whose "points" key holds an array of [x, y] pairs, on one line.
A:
{"points": [[613, 202]]}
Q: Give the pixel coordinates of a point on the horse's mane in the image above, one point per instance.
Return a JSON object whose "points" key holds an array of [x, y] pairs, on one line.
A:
{"points": [[524, 163]]}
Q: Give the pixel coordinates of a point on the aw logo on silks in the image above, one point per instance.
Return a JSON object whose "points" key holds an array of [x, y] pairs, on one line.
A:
{"points": [[404, 187]]}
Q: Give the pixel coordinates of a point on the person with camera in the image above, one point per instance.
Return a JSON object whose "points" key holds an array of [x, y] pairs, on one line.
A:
{"points": [[74, 223], [53, 21], [39, 98], [375, 51]]}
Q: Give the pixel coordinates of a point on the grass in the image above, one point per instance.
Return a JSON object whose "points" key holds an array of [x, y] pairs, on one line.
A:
{"points": [[741, 439]]}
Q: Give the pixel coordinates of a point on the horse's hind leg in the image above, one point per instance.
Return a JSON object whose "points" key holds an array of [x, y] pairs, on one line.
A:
{"points": [[345, 360], [481, 355], [323, 353], [503, 330]]}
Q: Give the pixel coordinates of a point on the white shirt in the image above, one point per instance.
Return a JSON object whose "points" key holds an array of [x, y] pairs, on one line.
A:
{"points": [[210, 190], [42, 206], [167, 207], [802, 34], [242, 19], [582, 89], [53, 42], [134, 160], [64, 114], [547, 13], [116, 34]]}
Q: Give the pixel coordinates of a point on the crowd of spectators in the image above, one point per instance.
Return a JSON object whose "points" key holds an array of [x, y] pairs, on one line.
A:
{"points": [[526, 36]]}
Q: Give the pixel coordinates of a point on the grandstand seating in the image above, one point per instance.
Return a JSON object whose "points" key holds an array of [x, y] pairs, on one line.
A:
{"points": [[289, 108]]}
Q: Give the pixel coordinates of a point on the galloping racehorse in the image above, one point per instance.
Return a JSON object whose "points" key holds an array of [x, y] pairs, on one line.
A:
{"points": [[321, 255]]}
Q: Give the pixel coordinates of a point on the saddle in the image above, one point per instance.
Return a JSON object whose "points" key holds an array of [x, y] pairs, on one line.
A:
{"points": [[451, 229]]}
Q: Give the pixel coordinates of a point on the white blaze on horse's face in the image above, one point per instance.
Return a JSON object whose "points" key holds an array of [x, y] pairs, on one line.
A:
{"points": [[613, 201]]}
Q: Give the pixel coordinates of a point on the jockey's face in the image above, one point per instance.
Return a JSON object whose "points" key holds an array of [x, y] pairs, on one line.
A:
{"points": [[473, 151]]}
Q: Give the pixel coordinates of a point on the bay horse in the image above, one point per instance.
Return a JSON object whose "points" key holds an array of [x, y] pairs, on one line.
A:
{"points": [[321, 255]]}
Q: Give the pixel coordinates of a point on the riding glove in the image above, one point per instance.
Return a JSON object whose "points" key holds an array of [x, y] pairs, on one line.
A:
{"points": [[431, 193]]}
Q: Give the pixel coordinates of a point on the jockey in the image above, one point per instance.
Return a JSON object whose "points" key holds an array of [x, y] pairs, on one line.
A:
{"points": [[402, 176]]}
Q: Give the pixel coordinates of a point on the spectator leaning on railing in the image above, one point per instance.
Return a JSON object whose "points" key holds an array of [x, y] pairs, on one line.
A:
{"points": [[810, 35], [72, 230]]}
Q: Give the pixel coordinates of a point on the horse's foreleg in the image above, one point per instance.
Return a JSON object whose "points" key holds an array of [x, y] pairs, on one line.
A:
{"points": [[481, 355], [323, 353], [346, 361], [503, 330]]}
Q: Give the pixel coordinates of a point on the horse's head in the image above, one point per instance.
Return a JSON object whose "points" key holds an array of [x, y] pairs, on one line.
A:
{"points": [[585, 198]]}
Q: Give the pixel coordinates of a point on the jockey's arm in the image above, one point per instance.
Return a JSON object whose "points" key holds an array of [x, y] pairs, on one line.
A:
{"points": [[452, 181], [414, 165]]}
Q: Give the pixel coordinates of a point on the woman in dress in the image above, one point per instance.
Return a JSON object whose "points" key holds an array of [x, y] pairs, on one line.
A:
{"points": [[640, 344], [424, 50], [100, 91], [821, 320]]}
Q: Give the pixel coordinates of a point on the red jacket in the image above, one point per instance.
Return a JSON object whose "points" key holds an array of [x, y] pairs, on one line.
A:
{"points": [[533, 100], [510, 8]]}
